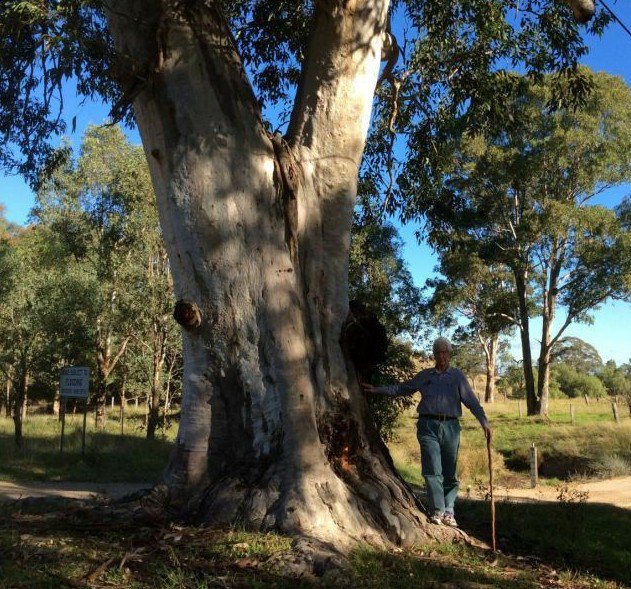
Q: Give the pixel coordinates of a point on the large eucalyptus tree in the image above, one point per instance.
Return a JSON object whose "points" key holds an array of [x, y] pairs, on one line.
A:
{"points": [[256, 223]]}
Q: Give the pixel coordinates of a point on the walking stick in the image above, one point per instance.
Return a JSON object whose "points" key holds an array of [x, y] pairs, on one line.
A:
{"points": [[488, 451]]}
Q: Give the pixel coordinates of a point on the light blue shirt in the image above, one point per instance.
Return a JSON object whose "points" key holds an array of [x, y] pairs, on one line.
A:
{"points": [[442, 393]]}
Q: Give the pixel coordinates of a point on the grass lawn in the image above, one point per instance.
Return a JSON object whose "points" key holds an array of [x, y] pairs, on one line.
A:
{"points": [[572, 545], [109, 456], [40, 549], [596, 447]]}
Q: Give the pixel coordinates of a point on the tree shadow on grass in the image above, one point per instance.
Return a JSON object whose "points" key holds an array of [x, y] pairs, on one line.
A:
{"points": [[589, 537], [105, 547], [551, 464]]}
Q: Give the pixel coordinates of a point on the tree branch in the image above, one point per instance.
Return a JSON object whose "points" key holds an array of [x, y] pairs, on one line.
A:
{"points": [[338, 80], [119, 354]]}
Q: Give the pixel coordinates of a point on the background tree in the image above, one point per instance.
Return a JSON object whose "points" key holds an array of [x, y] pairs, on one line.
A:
{"points": [[520, 196], [257, 225], [26, 271], [480, 294], [616, 379], [151, 304], [512, 380], [571, 383], [98, 208], [575, 352], [6, 227]]}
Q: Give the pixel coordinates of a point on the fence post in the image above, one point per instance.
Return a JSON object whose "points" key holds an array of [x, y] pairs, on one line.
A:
{"points": [[572, 414], [534, 474], [614, 406], [586, 399], [519, 405]]}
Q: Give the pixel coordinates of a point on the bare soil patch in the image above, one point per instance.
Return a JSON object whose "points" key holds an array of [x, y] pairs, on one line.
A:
{"points": [[612, 491], [11, 491]]}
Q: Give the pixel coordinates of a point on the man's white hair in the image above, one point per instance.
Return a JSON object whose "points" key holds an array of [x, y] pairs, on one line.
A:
{"points": [[442, 343]]}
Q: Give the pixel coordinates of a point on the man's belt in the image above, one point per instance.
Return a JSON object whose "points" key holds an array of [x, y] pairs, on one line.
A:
{"points": [[439, 417]]}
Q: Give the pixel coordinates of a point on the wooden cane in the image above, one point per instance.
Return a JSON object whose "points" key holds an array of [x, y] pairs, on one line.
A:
{"points": [[488, 451]]}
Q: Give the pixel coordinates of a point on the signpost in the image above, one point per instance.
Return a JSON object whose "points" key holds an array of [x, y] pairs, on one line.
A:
{"points": [[74, 383]]}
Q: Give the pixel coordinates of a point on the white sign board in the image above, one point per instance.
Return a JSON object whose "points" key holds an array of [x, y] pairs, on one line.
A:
{"points": [[75, 382]]}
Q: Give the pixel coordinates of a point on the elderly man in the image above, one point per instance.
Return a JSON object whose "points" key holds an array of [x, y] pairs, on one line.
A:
{"points": [[443, 389]]}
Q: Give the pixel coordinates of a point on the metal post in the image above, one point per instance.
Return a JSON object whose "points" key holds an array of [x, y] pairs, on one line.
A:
{"points": [[534, 474]]}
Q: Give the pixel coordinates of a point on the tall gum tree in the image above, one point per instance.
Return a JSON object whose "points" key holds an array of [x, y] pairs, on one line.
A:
{"points": [[273, 432], [258, 229]]}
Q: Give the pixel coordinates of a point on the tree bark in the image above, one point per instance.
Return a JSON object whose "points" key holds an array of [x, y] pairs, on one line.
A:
{"points": [[106, 361], [8, 392], [543, 376], [490, 349], [532, 402], [158, 355], [273, 431], [123, 402], [550, 296], [19, 399]]}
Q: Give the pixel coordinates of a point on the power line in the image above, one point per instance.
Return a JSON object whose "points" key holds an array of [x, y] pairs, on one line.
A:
{"points": [[616, 17]]}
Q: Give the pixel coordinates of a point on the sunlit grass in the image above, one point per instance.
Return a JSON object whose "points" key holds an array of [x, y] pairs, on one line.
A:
{"points": [[594, 447], [109, 456]]}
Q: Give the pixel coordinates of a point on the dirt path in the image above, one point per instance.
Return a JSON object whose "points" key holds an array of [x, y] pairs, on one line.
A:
{"points": [[13, 491], [613, 491]]}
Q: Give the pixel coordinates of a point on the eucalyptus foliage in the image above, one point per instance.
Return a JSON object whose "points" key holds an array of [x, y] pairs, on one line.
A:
{"points": [[456, 60], [520, 196]]}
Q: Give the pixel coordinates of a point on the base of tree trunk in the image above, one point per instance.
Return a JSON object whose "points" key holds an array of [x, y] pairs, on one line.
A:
{"points": [[380, 511]]}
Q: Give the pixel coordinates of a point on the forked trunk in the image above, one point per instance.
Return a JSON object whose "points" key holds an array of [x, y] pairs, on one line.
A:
{"points": [[106, 361], [273, 431]]}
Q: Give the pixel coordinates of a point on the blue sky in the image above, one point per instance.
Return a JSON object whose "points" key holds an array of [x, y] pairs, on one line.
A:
{"points": [[610, 331]]}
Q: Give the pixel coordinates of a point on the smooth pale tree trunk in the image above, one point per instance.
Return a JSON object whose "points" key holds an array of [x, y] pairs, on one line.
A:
{"points": [[123, 403], [273, 431], [490, 355], [57, 403], [543, 376], [9, 391], [158, 356], [167, 397], [19, 401], [550, 297], [532, 402], [106, 361]]}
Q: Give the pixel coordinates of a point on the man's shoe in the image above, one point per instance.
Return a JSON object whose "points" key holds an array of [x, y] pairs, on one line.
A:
{"points": [[437, 519], [450, 520]]}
